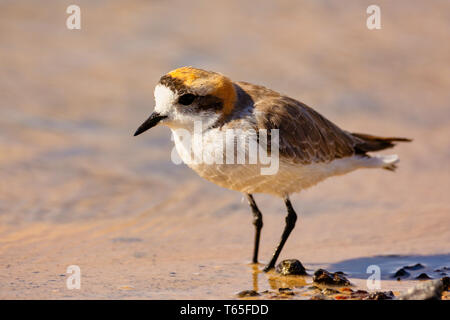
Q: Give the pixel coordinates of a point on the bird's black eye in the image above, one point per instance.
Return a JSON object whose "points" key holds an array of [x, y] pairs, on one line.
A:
{"points": [[186, 99]]}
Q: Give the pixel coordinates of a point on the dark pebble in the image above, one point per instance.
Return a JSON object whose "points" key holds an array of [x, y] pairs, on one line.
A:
{"points": [[286, 291], [291, 267], [423, 276], [359, 294], [401, 273], [417, 266], [247, 293], [389, 295], [325, 277]]}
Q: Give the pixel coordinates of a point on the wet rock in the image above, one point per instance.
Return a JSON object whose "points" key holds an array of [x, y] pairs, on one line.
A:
{"points": [[417, 266], [429, 290], [286, 291], [247, 293], [388, 295], [401, 273], [423, 276], [359, 294], [324, 277], [291, 267]]}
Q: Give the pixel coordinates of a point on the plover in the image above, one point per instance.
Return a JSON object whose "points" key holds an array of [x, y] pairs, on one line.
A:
{"points": [[310, 147]]}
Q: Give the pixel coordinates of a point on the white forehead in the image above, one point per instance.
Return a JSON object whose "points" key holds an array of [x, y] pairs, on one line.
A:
{"points": [[164, 98]]}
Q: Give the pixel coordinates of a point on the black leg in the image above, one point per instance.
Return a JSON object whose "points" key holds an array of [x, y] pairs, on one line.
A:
{"points": [[291, 218], [258, 223]]}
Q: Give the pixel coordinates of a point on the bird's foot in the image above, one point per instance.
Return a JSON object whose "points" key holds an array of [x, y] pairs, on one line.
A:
{"points": [[268, 267]]}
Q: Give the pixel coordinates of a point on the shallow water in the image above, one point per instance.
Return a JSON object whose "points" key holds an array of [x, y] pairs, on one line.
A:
{"points": [[77, 189]]}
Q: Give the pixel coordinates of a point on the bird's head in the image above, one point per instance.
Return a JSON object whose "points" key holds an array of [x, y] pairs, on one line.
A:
{"points": [[186, 95]]}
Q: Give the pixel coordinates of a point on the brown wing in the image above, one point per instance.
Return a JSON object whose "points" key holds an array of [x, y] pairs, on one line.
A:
{"points": [[305, 135]]}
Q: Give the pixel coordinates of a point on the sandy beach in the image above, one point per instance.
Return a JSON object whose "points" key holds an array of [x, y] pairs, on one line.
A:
{"points": [[76, 188]]}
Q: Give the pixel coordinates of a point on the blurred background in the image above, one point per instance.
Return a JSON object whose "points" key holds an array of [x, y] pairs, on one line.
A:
{"points": [[77, 188]]}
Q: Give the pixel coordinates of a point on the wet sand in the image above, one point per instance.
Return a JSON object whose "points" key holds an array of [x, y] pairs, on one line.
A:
{"points": [[77, 189]]}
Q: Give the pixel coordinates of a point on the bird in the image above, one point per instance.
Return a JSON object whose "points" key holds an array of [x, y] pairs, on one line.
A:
{"points": [[310, 148]]}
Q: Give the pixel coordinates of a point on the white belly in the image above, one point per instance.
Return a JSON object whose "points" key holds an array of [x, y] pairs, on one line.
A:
{"points": [[247, 178], [290, 178]]}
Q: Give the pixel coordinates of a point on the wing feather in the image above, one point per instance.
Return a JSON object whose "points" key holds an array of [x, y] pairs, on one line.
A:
{"points": [[305, 135]]}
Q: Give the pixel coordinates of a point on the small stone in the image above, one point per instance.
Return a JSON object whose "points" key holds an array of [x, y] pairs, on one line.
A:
{"points": [[286, 291], [429, 290], [379, 295], [247, 293], [401, 273], [423, 276], [291, 267], [324, 277], [359, 294]]}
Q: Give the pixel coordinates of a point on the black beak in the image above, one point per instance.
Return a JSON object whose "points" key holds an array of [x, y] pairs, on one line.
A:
{"points": [[152, 121]]}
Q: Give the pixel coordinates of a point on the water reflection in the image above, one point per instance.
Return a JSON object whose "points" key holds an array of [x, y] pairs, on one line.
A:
{"points": [[274, 280]]}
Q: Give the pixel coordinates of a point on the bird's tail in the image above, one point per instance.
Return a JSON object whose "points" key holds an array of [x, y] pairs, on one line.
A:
{"points": [[368, 143]]}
